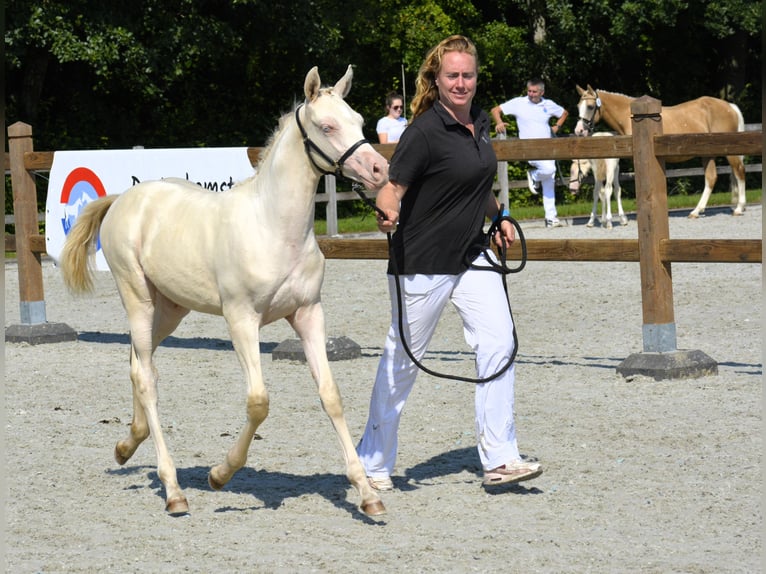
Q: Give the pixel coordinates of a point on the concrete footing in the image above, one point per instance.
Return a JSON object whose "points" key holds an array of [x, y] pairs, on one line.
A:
{"points": [[678, 364], [40, 333], [338, 349]]}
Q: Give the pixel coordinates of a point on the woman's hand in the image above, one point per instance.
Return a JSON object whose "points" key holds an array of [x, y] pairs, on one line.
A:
{"points": [[387, 224], [507, 231]]}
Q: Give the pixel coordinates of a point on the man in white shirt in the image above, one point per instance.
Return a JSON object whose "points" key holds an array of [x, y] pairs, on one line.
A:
{"points": [[533, 113]]}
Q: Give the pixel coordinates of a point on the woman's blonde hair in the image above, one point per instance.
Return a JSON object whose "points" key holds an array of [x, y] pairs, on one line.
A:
{"points": [[426, 92]]}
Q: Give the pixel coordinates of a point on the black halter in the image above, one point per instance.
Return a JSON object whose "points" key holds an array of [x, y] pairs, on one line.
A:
{"points": [[310, 146]]}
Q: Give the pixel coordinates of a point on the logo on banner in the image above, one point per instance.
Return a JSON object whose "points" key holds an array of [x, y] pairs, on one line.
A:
{"points": [[80, 188]]}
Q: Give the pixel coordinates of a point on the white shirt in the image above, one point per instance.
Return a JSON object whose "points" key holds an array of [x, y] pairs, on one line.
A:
{"points": [[532, 119], [392, 127]]}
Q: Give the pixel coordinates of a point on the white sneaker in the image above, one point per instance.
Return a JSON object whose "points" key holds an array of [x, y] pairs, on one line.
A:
{"points": [[534, 186], [553, 223], [383, 483], [510, 472]]}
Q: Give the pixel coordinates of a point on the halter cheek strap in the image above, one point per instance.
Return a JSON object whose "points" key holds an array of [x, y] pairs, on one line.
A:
{"points": [[311, 147], [591, 122]]}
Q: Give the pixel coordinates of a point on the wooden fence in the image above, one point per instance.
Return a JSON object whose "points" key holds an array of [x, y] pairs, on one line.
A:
{"points": [[654, 250]]}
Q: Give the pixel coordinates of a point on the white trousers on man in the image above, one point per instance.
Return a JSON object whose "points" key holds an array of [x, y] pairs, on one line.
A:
{"points": [[481, 302], [545, 172]]}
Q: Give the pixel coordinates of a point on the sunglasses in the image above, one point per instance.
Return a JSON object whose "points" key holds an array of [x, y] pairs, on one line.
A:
{"points": [[396, 107]]}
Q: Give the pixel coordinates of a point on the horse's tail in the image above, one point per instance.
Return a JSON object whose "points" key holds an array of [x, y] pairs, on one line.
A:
{"points": [[740, 117], [80, 245]]}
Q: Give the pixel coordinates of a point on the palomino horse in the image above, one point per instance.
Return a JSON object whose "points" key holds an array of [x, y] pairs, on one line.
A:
{"points": [[248, 254], [703, 115], [606, 179]]}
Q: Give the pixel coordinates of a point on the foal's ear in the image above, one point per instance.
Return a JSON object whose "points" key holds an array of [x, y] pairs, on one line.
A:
{"points": [[580, 91], [343, 87], [312, 84]]}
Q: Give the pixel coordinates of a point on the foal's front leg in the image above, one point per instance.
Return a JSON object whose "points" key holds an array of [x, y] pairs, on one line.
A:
{"points": [[309, 323]]}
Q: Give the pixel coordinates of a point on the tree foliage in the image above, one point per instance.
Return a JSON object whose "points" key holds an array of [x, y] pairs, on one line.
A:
{"points": [[164, 73]]}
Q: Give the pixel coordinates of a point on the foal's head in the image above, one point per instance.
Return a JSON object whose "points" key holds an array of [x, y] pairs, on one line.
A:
{"points": [[333, 133]]}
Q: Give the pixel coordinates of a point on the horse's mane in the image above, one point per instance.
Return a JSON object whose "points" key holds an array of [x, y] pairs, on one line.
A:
{"points": [[600, 91], [269, 147], [284, 118]]}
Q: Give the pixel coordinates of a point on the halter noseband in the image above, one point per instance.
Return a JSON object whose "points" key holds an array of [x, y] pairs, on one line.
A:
{"points": [[310, 146]]}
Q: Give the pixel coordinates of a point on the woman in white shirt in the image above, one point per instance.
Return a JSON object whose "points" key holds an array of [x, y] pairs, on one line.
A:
{"points": [[391, 126]]}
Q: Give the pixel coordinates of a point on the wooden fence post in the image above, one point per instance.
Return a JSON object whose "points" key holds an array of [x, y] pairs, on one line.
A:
{"points": [[502, 179], [331, 213], [661, 359], [33, 328]]}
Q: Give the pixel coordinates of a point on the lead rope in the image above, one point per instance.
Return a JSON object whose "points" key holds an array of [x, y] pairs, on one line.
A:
{"points": [[500, 267]]}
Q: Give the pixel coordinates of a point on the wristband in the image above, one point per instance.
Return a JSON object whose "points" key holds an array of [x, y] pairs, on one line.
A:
{"points": [[501, 215]]}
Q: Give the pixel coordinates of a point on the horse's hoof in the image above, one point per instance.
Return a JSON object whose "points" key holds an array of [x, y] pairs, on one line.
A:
{"points": [[119, 457], [693, 215], [738, 213], [214, 483], [177, 506], [374, 508], [589, 224]]}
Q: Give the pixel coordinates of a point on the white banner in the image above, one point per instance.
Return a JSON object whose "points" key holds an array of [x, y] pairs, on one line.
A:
{"points": [[79, 177]]}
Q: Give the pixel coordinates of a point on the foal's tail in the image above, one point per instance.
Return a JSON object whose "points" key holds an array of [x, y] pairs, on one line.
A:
{"points": [[80, 244]]}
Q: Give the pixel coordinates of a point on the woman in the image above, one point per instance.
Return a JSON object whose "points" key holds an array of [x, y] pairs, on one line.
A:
{"points": [[436, 201], [391, 126]]}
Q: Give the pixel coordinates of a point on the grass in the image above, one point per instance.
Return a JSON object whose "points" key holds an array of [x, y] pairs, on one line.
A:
{"points": [[366, 223]]}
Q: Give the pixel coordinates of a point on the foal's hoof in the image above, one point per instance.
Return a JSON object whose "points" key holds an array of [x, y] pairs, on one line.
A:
{"points": [[177, 506], [374, 508], [214, 483], [119, 456]]}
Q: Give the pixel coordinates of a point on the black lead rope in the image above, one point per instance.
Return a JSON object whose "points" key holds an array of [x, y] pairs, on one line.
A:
{"points": [[499, 267]]}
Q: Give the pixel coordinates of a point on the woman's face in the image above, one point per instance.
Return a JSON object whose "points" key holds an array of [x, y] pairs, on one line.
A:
{"points": [[457, 80], [396, 108]]}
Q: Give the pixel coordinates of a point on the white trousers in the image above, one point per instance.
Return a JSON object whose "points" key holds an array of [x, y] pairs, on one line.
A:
{"points": [[545, 172], [481, 302]]}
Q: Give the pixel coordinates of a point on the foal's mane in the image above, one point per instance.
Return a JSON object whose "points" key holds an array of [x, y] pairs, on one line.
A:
{"points": [[269, 147], [281, 126]]}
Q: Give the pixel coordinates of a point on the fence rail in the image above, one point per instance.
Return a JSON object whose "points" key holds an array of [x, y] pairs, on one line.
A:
{"points": [[654, 250]]}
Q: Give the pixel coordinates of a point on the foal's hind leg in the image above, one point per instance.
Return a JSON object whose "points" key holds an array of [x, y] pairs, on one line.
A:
{"points": [[150, 322], [309, 323]]}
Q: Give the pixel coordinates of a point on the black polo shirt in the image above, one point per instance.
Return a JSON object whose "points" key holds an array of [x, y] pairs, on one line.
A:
{"points": [[449, 176]]}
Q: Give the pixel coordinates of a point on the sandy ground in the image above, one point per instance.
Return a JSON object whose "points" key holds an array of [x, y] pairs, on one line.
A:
{"points": [[640, 475]]}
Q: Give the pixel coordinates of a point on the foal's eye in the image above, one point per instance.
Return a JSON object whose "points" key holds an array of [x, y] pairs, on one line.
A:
{"points": [[326, 129]]}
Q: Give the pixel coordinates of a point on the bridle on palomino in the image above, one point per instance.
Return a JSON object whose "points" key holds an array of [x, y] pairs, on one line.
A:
{"points": [[310, 147], [475, 250], [590, 123]]}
